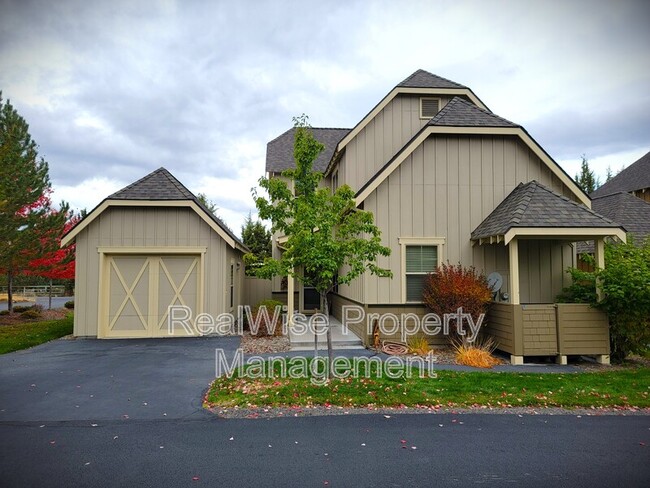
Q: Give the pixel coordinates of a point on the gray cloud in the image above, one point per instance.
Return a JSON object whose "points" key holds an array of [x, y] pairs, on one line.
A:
{"points": [[117, 89]]}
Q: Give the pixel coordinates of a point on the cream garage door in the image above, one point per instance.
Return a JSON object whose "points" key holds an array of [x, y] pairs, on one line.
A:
{"points": [[141, 288]]}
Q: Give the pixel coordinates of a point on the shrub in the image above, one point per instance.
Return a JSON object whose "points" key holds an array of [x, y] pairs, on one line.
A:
{"points": [[22, 308], [477, 354], [418, 345], [69, 304], [4, 312], [625, 283], [265, 327], [451, 287], [30, 314]]}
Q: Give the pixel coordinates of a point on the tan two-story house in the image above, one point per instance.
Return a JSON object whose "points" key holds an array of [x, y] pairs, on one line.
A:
{"points": [[450, 181]]}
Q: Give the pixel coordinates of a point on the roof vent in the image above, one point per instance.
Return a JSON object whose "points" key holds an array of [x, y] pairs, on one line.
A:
{"points": [[429, 107]]}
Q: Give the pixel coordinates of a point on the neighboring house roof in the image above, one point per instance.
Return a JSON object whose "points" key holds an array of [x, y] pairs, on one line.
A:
{"points": [[533, 205], [625, 209], [634, 177], [158, 186], [424, 79], [461, 113], [279, 152]]}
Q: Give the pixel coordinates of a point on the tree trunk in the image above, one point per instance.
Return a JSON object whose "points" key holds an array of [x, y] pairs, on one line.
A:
{"points": [[49, 306], [10, 294], [330, 350]]}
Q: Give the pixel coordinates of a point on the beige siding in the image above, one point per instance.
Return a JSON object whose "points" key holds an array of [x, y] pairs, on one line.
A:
{"points": [[543, 265], [378, 141], [256, 290], [539, 330], [582, 329], [445, 188], [149, 227]]}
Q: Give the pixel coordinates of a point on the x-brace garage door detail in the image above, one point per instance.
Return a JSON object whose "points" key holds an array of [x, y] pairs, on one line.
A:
{"points": [[141, 290]]}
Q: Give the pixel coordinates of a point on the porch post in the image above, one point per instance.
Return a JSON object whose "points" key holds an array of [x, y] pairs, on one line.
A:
{"points": [[599, 254], [290, 293], [513, 248]]}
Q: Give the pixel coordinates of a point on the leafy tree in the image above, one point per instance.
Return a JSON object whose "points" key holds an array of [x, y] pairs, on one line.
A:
{"points": [[625, 283], [208, 204], [258, 239], [608, 174], [586, 179], [329, 240], [29, 225]]}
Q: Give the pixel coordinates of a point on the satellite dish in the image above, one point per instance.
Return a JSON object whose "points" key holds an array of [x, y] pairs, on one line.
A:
{"points": [[495, 281]]}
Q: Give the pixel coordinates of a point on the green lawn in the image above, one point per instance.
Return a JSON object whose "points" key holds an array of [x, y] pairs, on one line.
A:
{"points": [[622, 388], [22, 336]]}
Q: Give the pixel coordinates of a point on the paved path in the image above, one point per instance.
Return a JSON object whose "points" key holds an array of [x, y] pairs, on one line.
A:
{"points": [[62, 423]]}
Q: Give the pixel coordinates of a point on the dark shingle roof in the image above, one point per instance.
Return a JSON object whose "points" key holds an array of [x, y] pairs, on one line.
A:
{"points": [[534, 205], [162, 185], [279, 152], [461, 113], [634, 177], [159, 185], [424, 79]]}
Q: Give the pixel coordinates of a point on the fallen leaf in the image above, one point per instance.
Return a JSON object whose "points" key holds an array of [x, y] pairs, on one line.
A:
{"points": [[93, 425], [114, 437], [363, 444], [413, 447], [386, 416], [86, 464], [403, 441], [231, 439], [195, 478]]}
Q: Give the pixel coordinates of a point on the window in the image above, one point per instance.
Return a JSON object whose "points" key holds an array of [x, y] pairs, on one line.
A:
{"points": [[429, 107], [335, 180], [420, 256], [232, 285]]}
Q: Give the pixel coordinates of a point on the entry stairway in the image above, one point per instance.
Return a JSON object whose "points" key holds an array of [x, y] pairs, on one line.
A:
{"points": [[304, 341]]}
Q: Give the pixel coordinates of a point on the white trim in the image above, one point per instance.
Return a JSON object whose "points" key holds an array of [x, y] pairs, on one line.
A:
{"points": [[572, 233], [439, 242], [517, 131], [151, 250], [393, 93], [147, 203]]}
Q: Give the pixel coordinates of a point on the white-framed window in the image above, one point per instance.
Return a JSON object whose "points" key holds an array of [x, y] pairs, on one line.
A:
{"points": [[232, 285], [420, 256], [335, 180], [429, 107]]}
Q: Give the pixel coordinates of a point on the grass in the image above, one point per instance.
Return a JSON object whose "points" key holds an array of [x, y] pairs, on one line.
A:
{"points": [[29, 334], [621, 388]]}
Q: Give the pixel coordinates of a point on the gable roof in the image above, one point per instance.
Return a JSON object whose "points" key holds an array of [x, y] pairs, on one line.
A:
{"points": [[279, 152], [626, 209], [461, 113], [420, 82], [158, 186], [634, 177], [424, 79], [462, 117], [533, 205]]}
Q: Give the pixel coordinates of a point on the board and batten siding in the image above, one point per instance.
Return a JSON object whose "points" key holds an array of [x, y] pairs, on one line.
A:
{"points": [[445, 189], [384, 135], [149, 227]]}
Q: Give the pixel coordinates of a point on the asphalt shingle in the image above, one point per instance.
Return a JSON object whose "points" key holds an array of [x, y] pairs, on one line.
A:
{"points": [[534, 205], [461, 113], [424, 79], [279, 152], [634, 177]]}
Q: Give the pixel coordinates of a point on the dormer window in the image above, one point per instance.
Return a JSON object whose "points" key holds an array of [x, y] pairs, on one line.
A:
{"points": [[429, 107]]}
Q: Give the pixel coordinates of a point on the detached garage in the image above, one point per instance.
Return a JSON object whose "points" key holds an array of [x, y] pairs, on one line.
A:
{"points": [[145, 248]]}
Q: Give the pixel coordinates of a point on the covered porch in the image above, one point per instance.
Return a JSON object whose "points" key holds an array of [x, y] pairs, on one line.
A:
{"points": [[533, 215]]}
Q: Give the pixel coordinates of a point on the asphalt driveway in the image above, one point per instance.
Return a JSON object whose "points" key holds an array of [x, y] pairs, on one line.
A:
{"points": [[90, 379]]}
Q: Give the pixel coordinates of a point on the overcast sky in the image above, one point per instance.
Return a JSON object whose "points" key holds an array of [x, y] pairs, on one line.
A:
{"points": [[113, 90]]}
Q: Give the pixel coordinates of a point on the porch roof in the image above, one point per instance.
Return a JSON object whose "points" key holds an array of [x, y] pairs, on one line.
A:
{"points": [[533, 210]]}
